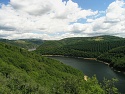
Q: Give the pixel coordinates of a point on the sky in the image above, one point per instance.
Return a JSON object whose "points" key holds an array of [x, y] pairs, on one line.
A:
{"points": [[58, 19]]}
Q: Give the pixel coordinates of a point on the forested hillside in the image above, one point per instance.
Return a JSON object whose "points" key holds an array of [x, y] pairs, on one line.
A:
{"points": [[81, 47], [100, 47], [23, 72], [115, 57]]}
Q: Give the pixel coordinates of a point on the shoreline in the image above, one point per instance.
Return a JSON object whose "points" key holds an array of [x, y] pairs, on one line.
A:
{"points": [[103, 62], [114, 69], [106, 63], [52, 55], [90, 58]]}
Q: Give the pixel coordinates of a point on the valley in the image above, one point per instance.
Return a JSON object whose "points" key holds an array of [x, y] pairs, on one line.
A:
{"points": [[32, 71]]}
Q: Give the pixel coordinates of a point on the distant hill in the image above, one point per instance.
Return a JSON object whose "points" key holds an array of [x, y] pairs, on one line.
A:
{"points": [[96, 38], [23, 72], [81, 46], [24, 43]]}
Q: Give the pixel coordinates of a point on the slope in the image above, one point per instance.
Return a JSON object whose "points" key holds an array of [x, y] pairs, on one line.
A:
{"points": [[115, 57], [81, 47], [23, 72]]}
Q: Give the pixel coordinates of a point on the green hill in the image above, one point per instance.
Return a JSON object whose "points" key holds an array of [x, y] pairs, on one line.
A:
{"points": [[115, 57], [23, 72], [81, 47], [101, 47]]}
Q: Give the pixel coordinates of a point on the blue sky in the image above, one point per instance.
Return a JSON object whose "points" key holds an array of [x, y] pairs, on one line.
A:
{"points": [[57, 19], [93, 4], [4, 1], [85, 4]]}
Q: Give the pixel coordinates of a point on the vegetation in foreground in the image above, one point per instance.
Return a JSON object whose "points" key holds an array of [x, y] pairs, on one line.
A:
{"points": [[23, 72]]}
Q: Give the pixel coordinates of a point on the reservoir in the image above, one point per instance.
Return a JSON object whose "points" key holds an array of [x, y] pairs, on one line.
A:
{"points": [[92, 67]]}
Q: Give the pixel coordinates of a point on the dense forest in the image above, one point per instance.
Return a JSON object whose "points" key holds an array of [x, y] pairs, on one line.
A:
{"points": [[81, 47], [23, 72], [99, 47], [115, 57]]}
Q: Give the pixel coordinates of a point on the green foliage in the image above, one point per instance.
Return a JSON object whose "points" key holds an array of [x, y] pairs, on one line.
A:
{"points": [[80, 86], [109, 87], [81, 47], [23, 72], [115, 57], [103, 48]]}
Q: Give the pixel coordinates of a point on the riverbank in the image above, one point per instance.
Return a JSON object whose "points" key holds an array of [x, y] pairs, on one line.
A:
{"points": [[111, 66], [52, 55], [103, 62], [90, 59], [114, 69]]}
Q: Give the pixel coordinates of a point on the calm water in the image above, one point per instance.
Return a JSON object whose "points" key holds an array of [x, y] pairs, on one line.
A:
{"points": [[91, 67]]}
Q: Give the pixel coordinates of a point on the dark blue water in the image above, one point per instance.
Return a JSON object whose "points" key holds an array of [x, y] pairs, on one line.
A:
{"points": [[92, 67]]}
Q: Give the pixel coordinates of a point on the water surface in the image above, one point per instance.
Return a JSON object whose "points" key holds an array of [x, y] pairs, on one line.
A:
{"points": [[92, 67]]}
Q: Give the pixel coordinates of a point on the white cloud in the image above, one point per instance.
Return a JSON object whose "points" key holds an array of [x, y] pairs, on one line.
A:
{"points": [[32, 7], [57, 19], [113, 22], [116, 11], [28, 35]]}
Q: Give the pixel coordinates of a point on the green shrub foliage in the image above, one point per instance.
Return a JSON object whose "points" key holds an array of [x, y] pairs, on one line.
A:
{"points": [[23, 72]]}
